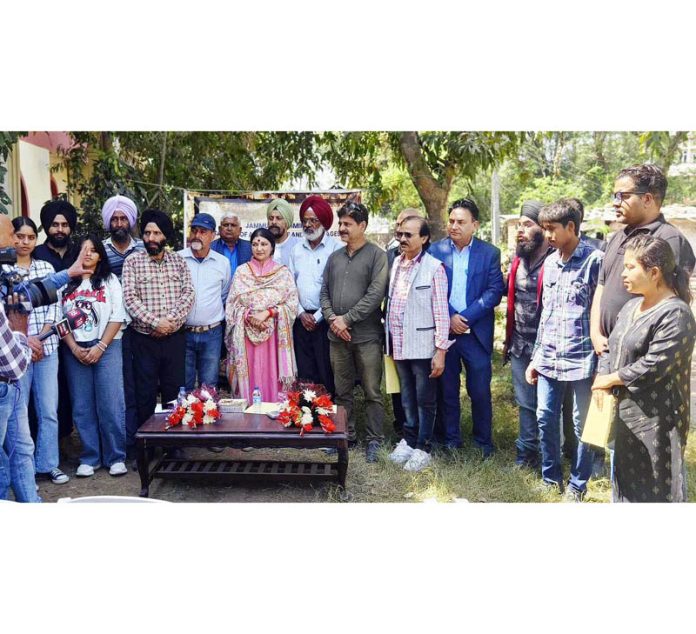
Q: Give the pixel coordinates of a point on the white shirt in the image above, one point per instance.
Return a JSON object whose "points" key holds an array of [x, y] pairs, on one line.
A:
{"points": [[307, 267], [211, 281], [282, 251]]}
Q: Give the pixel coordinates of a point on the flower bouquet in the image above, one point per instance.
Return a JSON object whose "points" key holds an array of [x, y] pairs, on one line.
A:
{"points": [[307, 405], [197, 408]]}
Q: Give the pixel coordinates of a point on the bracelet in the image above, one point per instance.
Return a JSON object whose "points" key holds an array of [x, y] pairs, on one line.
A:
{"points": [[102, 346]]}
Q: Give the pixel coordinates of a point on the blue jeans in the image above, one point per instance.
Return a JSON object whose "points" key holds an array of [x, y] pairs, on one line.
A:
{"points": [[549, 403], [468, 351], [203, 357], [41, 380], [526, 396], [16, 447], [419, 400], [98, 405]]}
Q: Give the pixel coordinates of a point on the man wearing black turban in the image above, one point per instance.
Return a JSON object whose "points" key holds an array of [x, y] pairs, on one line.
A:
{"points": [[58, 219], [158, 293]]}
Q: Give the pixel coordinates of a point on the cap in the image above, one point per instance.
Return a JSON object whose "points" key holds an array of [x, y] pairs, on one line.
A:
{"points": [[205, 221]]}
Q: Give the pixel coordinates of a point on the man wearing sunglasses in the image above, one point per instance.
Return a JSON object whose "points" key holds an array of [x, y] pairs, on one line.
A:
{"points": [[393, 252], [639, 192]]}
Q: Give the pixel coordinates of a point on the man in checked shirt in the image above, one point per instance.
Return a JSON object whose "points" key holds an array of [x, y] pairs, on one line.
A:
{"points": [[563, 356], [158, 293]]}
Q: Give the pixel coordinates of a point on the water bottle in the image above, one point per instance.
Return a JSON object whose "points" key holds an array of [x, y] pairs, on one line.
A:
{"points": [[181, 399], [256, 396]]}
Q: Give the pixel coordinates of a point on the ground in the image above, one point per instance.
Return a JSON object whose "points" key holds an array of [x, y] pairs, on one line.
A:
{"points": [[452, 478]]}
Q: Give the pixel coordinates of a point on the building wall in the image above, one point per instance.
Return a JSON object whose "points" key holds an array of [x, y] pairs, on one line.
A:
{"points": [[34, 164]]}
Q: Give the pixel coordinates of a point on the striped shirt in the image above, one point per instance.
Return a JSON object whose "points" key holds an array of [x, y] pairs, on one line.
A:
{"points": [[42, 314], [15, 353], [116, 258], [153, 289], [403, 278], [563, 350]]}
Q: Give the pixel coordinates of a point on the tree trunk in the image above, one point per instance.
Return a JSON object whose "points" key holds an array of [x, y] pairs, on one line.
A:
{"points": [[432, 192], [599, 138], [672, 150], [558, 154]]}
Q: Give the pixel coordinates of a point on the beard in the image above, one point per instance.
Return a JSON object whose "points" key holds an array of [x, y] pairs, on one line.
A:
{"points": [[313, 234], [276, 231], [155, 248], [527, 248], [57, 240], [119, 235]]}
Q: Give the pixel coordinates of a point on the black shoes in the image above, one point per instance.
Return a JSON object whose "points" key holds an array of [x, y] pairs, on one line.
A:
{"points": [[371, 450]]}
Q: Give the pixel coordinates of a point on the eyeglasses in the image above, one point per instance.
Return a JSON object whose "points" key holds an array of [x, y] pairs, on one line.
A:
{"points": [[619, 197], [311, 221], [404, 234], [229, 225]]}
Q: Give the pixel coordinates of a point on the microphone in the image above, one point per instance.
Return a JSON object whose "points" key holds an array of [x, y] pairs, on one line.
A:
{"points": [[73, 320]]}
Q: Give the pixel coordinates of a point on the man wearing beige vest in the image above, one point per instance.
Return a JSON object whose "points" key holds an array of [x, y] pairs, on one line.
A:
{"points": [[417, 329]]}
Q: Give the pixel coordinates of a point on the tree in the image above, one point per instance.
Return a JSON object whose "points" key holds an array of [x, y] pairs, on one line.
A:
{"points": [[432, 159], [663, 147], [153, 168]]}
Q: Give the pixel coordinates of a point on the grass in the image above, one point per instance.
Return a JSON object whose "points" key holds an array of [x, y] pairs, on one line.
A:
{"points": [[465, 476]]}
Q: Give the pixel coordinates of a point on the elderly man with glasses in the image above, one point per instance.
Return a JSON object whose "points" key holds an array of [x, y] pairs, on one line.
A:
{"points": [[307, 262]]}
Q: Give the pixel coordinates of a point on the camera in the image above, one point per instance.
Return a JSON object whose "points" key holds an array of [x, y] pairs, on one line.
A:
{"points": [[34, 293]]}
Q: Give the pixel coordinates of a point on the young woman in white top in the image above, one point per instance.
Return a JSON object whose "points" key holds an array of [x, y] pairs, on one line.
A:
{"points": [[94, 363]]}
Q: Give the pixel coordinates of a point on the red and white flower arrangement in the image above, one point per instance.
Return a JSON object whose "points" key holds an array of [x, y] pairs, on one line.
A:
{"points": [[306, 406], [198, 408]]}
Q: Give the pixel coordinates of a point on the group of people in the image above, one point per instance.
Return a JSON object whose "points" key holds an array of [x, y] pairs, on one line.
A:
{"points": [[278, 308], [583, 317]]}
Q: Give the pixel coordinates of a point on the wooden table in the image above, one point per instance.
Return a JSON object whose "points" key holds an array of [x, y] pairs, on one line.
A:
{"points": [[240, 430]]}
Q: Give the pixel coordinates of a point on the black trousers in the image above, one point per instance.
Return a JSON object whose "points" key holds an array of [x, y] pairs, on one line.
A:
{"points": [[312, 354], [158, 369]]}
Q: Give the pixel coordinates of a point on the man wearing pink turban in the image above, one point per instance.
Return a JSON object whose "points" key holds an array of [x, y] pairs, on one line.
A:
{"points": [[307, 261], [120, 216]]}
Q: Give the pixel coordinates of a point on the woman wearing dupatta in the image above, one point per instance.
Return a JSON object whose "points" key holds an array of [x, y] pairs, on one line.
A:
{"points": [[261, 308], [650, 354]]}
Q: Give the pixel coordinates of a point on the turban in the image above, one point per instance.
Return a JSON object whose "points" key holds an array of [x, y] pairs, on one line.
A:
{"points": [[283, 207], [162, 220], [320, 207], [531, 209], [55, 208], [119, 203]]}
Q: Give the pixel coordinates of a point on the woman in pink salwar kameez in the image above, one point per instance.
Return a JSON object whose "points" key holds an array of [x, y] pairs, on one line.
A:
{"points": [[261, 308]]}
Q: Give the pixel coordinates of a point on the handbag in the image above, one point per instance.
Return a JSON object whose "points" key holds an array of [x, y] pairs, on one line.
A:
{"points": [[601, 417]]}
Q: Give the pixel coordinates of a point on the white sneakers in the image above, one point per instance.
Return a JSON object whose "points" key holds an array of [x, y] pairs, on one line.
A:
{"points": [[118, 469], [85, 470], [418, 461], [402, 452]]}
